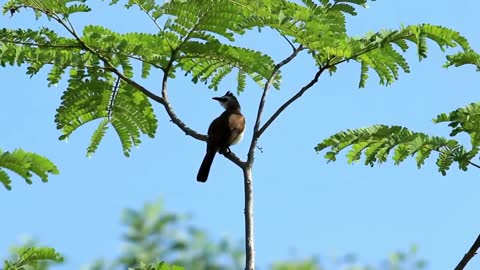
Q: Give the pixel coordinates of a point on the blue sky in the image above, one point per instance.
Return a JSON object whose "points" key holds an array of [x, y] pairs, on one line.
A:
{"points": [[303, 206]]}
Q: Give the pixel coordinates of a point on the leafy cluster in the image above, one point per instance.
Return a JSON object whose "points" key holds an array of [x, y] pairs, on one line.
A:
{"points": [[153, 234], [195, 37], [375, 143], [159, 266], [25, 164], [466, 119], [94, 94], [38, 258], [468, 57]]}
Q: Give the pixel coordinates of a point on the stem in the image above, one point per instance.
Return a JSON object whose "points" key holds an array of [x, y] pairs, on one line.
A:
{"points": [[247, 166], [469, 255], [249, 226]]}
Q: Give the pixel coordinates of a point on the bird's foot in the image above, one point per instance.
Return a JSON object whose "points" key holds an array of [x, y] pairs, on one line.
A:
{"points": [[225, 151]]}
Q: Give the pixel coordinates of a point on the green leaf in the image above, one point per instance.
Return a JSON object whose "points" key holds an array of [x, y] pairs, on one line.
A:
{"points": [[5, 180], [97, 137], [32, 257], [464, 58], [25, 164], [463, 120], [241, 79], [92, 95]]}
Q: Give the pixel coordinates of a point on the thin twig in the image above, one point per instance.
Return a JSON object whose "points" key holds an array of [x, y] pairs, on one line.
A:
{"points": [[291, 100], [469, 255], [474, 165], [150, 16], [289, 42]]}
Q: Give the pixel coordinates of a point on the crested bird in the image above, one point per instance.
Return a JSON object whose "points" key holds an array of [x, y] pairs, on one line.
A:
{"points": [[225, 130]]}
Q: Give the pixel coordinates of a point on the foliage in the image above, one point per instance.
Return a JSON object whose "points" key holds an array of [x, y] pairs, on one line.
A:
{"points": [[29, 258], [154, 234], [468, 57], [159, 266], [307, 264], [195, 37], [25, 164], [376, 142], [396, 260]]}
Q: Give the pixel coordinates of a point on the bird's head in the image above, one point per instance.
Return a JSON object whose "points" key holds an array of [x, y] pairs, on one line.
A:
{"points": [[228, 101]]}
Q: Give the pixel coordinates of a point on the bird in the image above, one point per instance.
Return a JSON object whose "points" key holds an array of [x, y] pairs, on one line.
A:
{"points": [[225, 130]]}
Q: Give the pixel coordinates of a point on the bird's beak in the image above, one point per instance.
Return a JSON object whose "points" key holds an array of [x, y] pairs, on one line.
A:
{"points": [[217, 98]]}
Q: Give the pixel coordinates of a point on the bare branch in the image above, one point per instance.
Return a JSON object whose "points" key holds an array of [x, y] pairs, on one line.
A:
{"points": [[235, 159], [469, 255], [474, 165], [291, 100], [289, 42], [256, 133], [171, 113]]}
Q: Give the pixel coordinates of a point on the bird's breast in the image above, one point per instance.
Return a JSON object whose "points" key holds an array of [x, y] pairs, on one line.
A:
{"points": [[236, 122], [238, 138]]}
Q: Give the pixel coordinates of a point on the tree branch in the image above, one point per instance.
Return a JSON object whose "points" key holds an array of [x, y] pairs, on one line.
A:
{"points": [[469, 255], [474, 164], [247, 167], [289, 42], [256, 133], [291, 100]]}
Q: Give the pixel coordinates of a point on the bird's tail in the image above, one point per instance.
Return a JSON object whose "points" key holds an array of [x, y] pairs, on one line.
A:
{"points": [[205, 167]]}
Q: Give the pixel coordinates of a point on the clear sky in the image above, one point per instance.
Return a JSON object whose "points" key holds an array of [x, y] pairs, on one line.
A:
{"points": [[303, 206]]}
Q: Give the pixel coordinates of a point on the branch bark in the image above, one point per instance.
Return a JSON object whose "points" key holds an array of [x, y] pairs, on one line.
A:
{"points": [[249, 220], [469, 255]]}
